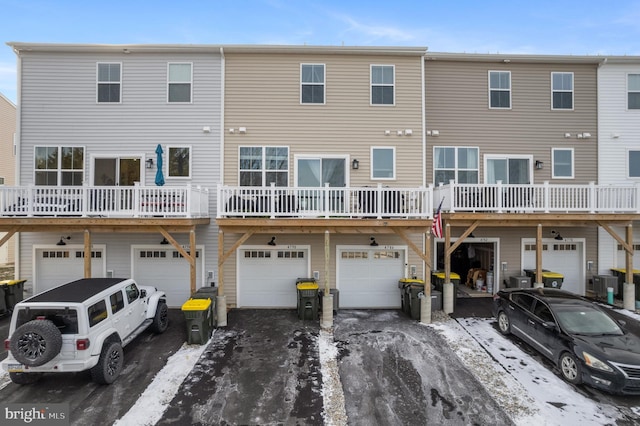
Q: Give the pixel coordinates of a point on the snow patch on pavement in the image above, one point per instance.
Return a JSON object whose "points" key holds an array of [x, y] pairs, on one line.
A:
{"points": [[334, 412]]}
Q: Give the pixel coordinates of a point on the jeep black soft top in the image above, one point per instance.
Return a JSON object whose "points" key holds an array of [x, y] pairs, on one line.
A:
{"points": [[76, 291]]}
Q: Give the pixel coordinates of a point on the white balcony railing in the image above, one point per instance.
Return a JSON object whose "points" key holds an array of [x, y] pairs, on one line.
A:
{"points": [[104, 201], [538, 198], [325, 202]]}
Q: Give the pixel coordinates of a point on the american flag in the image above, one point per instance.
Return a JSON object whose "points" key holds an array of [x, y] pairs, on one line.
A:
{"points": [[436, 227]]}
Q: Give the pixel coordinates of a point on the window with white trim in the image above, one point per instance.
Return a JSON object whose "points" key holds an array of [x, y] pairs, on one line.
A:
{"points": [[109, 82], [562, 90], [633, 88], [633, 163], [179, 161], [59, 165], [262, 165], [382, 84], [458, 163], [508, 169], [1, 180], [500, 89], [562, 163], [383, 162], [179, 82], [312, 87]]}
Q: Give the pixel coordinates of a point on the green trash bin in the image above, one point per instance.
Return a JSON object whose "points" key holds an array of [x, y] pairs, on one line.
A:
{"points": [[13, 292], [209, 293], [411, 289], [549, 278], [198, 316], [438, 278], [307, 300]]}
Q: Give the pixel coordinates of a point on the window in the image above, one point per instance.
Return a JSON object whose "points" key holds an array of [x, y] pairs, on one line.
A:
{"points": [[457, 163], [179, 82], [561, 90], [634, 164], [59, 165], [97, 313], [314, 172], [117, 302], [509, 170], [179, 161], [1, 180], [383, 163], [109, 83], [500, 89], [523, 300], [562, 163], [312, 83], [262, 165], [633, 87], [132, 293], [382, 84]]}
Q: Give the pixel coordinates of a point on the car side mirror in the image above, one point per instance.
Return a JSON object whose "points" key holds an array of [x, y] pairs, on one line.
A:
{"points": [[549, 325], [143, 293]]}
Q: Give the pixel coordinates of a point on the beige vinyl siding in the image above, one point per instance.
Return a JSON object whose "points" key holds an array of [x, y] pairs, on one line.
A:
{"points": [[262, 93], [457, 105], [7, 164]]}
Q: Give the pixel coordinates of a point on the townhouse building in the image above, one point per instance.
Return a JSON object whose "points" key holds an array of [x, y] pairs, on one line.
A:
{"points": [[7, 166]]}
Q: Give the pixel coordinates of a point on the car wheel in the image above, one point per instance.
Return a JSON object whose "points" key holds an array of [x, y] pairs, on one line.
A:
{"points": [[161, 319], [570, 368], [24, 378], [35, 342], [504, 324], [109, 365]]}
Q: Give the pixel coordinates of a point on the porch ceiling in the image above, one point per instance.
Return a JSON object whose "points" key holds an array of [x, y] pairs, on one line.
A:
{"points": [[319, 226]]}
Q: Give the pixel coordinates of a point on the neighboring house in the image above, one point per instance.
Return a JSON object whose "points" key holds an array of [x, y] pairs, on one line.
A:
{"points": [[338, 132], [518, 135], [7, 165], [618, 146], [86, 200]]}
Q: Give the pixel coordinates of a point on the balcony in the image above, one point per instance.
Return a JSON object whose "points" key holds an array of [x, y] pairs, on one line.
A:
{"points": [[538, 198], [104, 201], [325, 202]]}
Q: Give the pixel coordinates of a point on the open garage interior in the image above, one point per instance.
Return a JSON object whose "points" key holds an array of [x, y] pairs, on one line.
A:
{"points": [[475, 262]]}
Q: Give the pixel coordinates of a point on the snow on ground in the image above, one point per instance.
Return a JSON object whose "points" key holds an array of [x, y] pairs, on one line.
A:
{"points": [[154, 401], [334, 412], [534, 394]]}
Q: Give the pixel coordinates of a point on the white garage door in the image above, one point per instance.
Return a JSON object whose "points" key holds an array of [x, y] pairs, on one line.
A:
{"points": [[267, 276], [164, 267], [56, 265], [368, 276], [564, 257]]}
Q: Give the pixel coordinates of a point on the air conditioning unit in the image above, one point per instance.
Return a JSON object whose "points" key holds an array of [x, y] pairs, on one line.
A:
{"points": [[601, 282]]}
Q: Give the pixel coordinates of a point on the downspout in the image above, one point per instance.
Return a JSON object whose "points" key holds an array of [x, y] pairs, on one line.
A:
{"points": [[222, 106], [424, 122], [17, 138]]}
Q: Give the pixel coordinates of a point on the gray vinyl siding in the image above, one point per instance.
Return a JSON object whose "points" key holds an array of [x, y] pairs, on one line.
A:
{"points": [[59, 108], [457, 105], [262, 93]]}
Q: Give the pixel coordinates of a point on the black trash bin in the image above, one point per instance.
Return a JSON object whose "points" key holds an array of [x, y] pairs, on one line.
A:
{"points": [[621, 273], [410, 290], [307, 300], [198, 316], [438, 279], [549, 278], [13, 292], [3, 302]]}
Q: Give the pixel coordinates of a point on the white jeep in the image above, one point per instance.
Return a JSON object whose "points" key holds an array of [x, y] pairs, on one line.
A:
{"points": [[82, 325]]}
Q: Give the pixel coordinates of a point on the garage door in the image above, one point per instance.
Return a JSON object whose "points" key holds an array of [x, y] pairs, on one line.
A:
{"points": [[564, 257], [368, 276], [57, 265], [166, 269], [267, 276]]}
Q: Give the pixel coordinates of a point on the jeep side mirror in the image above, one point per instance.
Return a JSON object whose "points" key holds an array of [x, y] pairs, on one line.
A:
{"points": [[143, 293]]}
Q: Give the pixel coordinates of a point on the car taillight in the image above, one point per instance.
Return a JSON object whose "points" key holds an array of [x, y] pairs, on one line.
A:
{"points": [[7, 344], [82, 344]]}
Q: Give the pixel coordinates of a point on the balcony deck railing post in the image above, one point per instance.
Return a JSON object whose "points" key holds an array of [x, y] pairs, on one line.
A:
{"points": [[546, 196], [592, 197], [499, 196]]}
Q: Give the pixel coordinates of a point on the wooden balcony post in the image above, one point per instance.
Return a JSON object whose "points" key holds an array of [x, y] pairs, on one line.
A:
{"points": [[87, 253], [629, 290]]}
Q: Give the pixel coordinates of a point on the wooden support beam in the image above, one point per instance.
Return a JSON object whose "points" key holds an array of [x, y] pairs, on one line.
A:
{"points": [[192, 259], [627, 247], [237, 244], [9, 234], [327, 263], [220, 262], [87, 253], [173, 242], [412, 245], [538, 277]]}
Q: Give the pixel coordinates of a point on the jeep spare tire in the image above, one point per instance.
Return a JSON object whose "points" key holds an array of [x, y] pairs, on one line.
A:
{"points": [[35, 342]]}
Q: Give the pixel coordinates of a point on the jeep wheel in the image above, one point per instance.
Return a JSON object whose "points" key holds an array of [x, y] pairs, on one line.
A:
{"points": [[161, 319], [24, 378], [36, 342], [109, 365]]}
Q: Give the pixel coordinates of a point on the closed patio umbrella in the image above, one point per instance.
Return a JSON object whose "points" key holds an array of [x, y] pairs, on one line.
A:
{"points": [[159, 174]]}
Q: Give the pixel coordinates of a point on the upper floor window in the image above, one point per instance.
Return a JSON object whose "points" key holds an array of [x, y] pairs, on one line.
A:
{"points": [[262, 165], [109, 82], [179, 162], [510, 170], [312, 83], [633, 87], [382, 84], [1, 180], [383, 163], [561, 90], [562, 163], [455, 163], [59, 165], [634, 164], [500, 89], [179, 83]]}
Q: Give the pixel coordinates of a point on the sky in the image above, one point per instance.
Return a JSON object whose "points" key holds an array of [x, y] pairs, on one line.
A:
{"points": [[571, 27]]}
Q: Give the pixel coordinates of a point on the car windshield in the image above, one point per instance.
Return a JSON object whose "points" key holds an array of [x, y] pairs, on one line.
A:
{"points": [[586, 320]]}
